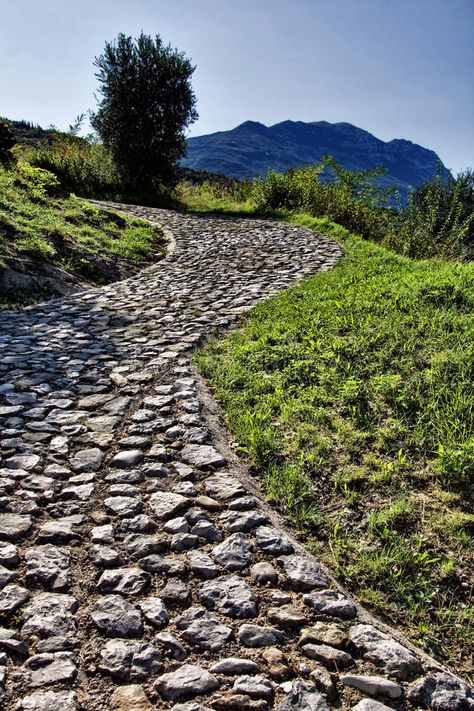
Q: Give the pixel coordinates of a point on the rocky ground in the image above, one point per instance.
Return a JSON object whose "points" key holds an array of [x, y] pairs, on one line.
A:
{"points": [[139, 566]]}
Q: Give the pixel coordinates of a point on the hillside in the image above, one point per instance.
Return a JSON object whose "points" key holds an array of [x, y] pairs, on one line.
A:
{"points": [[250, 149]]}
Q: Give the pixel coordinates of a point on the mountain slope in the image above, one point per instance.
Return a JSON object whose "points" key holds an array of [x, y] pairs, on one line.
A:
{"points": [[250, 149]]}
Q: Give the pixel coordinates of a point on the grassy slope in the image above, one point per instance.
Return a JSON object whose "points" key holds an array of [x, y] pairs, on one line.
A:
{"points": [[93, 244], [351, 394]]}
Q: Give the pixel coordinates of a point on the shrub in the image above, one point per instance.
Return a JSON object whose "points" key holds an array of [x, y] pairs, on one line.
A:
{"points": [[7, 141], [82, 166], [438, 220], [352, 199]]}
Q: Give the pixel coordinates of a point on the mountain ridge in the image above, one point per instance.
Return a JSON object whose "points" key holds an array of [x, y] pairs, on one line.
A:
{"points": [[250, 149]]}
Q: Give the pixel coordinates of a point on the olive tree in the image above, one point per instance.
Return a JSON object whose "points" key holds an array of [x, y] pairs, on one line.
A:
{"points": [[147, 102]]}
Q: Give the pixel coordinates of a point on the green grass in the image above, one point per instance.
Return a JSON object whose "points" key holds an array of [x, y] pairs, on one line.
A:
{"points": [[211, 198], [351, 396], [39, 229]]}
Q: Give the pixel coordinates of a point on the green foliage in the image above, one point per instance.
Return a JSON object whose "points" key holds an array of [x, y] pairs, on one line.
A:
{"points": [[234, 197], [7, 141], [438, 220], [352, 397], [147, 103], [95, 244], [37, 182], [82, 166]]}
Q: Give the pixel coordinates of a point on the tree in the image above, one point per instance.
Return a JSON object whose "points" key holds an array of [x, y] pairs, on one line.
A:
{"points": [[147, 103], [7, 141]]}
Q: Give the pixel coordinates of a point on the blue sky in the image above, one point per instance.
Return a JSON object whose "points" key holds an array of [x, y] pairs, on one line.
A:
{"points": [[398, 68]]}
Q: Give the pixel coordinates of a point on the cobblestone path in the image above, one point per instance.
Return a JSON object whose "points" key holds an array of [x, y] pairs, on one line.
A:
{"points": [[139, 569]]}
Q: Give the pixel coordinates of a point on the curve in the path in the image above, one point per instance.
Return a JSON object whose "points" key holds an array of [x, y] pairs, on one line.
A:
{"points": [[138, 568]]}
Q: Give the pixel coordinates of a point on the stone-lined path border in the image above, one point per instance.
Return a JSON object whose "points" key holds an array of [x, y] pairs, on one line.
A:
{"points": [[139, 566]]}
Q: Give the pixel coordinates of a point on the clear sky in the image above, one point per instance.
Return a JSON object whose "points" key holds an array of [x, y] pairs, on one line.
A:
{"points": [[397, 68]]}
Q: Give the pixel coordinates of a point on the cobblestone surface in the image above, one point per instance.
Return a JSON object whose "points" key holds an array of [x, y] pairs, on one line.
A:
{"points": [[139, 567]]}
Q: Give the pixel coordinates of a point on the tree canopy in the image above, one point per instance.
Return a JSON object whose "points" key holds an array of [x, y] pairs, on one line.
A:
{"points": [[147, 103]]}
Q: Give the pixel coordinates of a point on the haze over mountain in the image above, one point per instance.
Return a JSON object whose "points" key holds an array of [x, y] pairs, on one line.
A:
{"points": [[250, 149]]}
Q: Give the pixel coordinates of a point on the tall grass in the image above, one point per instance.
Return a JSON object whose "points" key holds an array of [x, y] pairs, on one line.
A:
{"points": [[82, 166]]}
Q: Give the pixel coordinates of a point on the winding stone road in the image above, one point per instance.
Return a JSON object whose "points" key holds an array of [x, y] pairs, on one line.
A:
{"points": [[139, 567]]}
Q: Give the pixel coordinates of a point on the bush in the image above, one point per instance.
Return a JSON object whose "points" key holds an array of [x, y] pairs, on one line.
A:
{"points": [[438, 220], [38, 183], [7, 141], [82, 166], [352, 199]]}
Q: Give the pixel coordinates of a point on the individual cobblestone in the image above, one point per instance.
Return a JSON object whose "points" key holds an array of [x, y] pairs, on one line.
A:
{"points": [[138, 569]]}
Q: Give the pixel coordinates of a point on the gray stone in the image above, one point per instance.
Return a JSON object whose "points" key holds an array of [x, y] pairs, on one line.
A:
{"points": [[48, 565], [201, 565], [48, 701], [127, 459], [287, 617], [373, 685], [10, 642], [331, 603], [173, 647], [441, 692], [370, 705], [184, 542], [13, 526], [12, 597], [264, 574], [303, 697], [129, 660], [50, 614], [43, 669], [175, 592], [201, 456], [303, 573], [257, 687], [235, 665], [188, 680], [102, 534], [331, 657], [383, 651], [139, 545], [271, 541], [87, 460], [125, 581], [242, 702], [234, 552], [176, 525], [117, 617], [223, 486], [326, 633], [6, 576], [125, 506], [244, 503], [202, 630], [258, 636], [83, 492], [105, 557], [242, 520], [23, 461], [208, 531], [61, 530], [154, 610], [165, 504], [230, 595]]}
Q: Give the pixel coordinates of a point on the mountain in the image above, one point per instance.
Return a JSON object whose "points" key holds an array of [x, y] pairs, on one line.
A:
{"points": [[250, 149]]}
